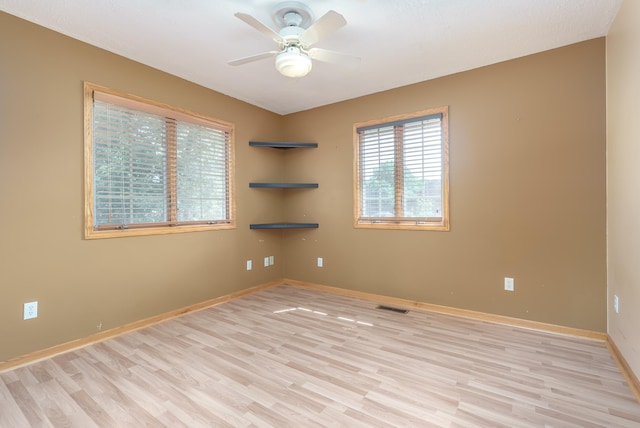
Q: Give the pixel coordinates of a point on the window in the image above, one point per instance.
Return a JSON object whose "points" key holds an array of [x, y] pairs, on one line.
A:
{"points": [[152, 169], [402, 172]]}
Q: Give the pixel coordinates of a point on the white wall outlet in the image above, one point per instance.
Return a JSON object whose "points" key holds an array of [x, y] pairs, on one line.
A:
{"points": [[616, 304], [30, 310], [249, 264], [508, 284], [266, 262], [320, 262], [271, 261]]}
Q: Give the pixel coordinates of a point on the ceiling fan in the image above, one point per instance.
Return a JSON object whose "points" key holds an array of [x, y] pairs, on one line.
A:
{"points": [[295, 38]]}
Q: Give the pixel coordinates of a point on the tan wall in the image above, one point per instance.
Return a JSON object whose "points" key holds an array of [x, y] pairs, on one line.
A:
{"points": [[623, 178], [527, 196], [78, 283], [527, 193]]}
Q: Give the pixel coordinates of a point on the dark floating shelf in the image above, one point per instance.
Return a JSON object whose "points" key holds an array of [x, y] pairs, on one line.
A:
{"points": [[284, 226], [281, 145], [273, 185], [284, 185]]}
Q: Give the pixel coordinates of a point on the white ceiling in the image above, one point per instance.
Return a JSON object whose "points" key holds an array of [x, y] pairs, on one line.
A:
{"points": [[400, 41]]}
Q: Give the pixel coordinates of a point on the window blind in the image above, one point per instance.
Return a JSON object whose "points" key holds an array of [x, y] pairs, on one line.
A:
{"points": [[378, 172], [154, 167], [202, 169], [422, 162], [401, 170]]}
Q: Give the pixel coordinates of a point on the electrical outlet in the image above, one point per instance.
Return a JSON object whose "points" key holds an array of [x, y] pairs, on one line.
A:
{"points": [[249, 264], [320, 262], [508, 284], [30, 310], [271, 261], [616, 304], [266, 262]]}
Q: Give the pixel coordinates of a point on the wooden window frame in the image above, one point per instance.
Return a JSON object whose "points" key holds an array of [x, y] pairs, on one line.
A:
{"points": [[169, 227], [402, 223]]}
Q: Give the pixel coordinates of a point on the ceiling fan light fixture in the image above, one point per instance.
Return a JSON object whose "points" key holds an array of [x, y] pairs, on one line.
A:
{"points": [[293, 63]]}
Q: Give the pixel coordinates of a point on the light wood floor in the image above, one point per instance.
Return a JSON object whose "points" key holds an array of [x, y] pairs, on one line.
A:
{"points": [[289, 356]]}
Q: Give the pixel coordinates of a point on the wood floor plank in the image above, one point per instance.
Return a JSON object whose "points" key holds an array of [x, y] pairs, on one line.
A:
{"points": [[298, 357], [16, 412], [29, 407]]}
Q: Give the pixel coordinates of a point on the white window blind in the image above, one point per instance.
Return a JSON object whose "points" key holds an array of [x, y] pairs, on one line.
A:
{"points": [[202, 171], [154, 167], [401, 168], [130, 163], [377, 163]]}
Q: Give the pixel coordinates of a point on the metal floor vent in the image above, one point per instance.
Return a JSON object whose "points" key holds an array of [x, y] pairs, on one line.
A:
{"points": [[392, 309]]}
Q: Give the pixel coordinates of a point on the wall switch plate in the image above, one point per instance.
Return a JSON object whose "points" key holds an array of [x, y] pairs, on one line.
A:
{"points": [[249, 264], [320, 262], [30, 310], [271, 261], [266, 262], [508, 284], [616, 304]]}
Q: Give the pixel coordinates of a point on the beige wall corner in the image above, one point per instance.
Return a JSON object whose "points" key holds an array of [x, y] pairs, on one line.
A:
{"points": [[623, 364], [623, 176]]}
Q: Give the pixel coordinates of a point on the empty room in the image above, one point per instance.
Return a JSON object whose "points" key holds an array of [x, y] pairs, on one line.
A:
{"points": [[317, 213]]}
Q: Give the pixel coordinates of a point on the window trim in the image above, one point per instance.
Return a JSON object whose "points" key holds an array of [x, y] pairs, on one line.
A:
{"points": [[90, 230], [441, 224]]}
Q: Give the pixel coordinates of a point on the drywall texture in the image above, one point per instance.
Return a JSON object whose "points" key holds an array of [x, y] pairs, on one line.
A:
{"points": [[623, 176], [527, 192], [81, 284]]}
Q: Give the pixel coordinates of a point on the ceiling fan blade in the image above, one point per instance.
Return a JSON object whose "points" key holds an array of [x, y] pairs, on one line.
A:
{"points": [[253, 58], [259, 26], [325, 25], [325, 55]]}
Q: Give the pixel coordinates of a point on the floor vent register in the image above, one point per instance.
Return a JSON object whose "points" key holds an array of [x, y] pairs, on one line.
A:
{"points": [[392, 309]]}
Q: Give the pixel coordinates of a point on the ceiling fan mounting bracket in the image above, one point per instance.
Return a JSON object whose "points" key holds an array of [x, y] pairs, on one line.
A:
{"points": [[292, 14]]}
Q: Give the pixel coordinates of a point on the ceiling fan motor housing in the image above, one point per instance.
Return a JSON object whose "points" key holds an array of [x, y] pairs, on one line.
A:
{"points": [[291, 36]]}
